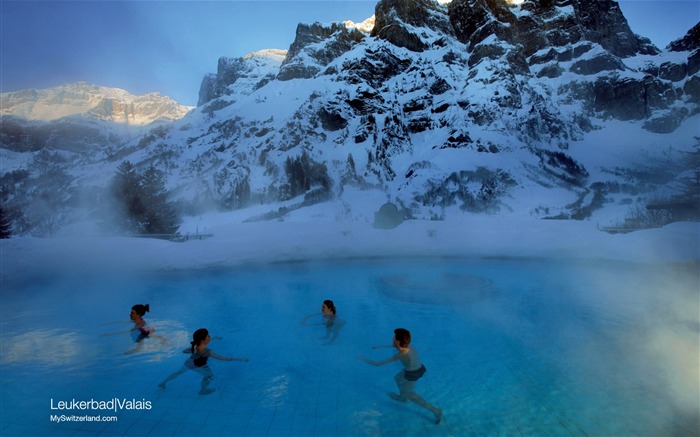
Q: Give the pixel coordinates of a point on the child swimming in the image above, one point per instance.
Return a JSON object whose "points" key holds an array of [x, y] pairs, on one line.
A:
{"points": [[199, 354], [412, 372]]}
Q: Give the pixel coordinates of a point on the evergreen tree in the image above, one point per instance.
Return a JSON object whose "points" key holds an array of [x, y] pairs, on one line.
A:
{"points": [[141, 201], [691, 180], [50, 193], [126, 190], [13, 192], [159, 216], [5, 225], [303, 173]]}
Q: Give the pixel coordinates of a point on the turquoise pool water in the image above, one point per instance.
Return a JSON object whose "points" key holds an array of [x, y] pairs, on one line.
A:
{"points": [[512, 347]]}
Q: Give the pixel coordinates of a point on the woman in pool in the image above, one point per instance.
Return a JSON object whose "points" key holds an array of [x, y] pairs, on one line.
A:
{"points": [[141, 330], [412, 372], [329, 320], [199, 354], [140, 325]]}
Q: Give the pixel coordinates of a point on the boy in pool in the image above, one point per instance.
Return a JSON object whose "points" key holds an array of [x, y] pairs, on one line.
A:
{"points": [[412, 372], [330, 321], [199, 354]]}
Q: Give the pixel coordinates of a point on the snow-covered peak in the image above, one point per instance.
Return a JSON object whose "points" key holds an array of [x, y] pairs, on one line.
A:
{"points": [[365, 27], [110, 104], [271, 54]]}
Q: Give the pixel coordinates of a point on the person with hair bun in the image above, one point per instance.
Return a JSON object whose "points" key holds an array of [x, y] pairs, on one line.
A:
{"points": [[413, 370], [199, 355], [140, 325], [329, 320], [140, 330]]}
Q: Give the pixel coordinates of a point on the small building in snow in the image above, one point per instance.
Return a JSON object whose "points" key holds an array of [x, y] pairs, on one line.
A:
{"points": [[388, 217]]}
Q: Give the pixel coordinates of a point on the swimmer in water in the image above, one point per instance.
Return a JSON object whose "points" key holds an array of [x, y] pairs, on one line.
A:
{"points": [[199, 354], [140, 325], [329, 320], [141, 330], [412, 372]]}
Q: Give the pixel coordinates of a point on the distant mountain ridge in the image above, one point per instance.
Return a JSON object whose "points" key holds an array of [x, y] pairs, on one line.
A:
{"points": [[98, 102]]}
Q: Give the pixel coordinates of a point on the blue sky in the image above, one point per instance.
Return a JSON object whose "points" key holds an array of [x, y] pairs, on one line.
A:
{"points": [[168, 46]]}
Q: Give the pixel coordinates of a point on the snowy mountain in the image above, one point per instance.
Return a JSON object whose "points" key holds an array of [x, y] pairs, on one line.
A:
{"points": [[250, 72], [547, 109], [100, 103]]}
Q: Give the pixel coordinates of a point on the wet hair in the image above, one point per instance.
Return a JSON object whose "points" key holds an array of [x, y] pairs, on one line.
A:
{"points": [[330, 305], [403, 336], [141, 310], [198, 337]]}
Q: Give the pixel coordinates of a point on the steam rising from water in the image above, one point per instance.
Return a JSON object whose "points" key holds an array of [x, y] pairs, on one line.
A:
{"points": [[646, 317], [618, 332]]}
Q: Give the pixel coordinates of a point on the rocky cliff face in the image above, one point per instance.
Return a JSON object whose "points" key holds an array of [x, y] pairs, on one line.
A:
{"points": [[683, 70], [482, 76], [690, 42], [315, 46], [244, 74], [459, 105]]}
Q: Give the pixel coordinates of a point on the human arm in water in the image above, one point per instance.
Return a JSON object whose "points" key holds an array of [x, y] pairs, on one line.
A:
{"points": [[305, 321], [138, 326], [391, 359], [223, 358], [211, 353], [107, 334]]}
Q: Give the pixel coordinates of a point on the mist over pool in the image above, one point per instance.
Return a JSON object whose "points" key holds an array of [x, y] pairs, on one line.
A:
{"points": [[560, 329]]}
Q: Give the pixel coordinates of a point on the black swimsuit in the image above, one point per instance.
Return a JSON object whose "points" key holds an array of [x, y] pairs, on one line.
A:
{"points": [[144, 331], [200, 360], [414, 375]]}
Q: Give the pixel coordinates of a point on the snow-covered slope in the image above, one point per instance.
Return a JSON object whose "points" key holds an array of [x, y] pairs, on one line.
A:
{"points": [[476, 106], [532, 109]]}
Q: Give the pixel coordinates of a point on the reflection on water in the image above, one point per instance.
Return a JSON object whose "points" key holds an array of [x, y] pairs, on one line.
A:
{"points": [[45, 347], [276, 391], [532, 347]]}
